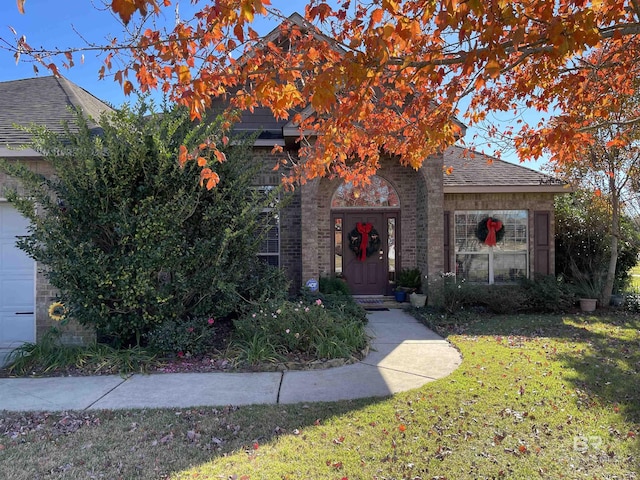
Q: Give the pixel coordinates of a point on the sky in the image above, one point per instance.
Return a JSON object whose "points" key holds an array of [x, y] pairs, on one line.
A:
{"points": [[46, 23]]}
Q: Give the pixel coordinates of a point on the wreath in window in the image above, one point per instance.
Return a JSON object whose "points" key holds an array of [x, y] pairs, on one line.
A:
{"points": [[490, 231], [364, 241]]}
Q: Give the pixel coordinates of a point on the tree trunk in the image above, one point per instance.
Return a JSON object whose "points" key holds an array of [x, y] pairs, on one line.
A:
{"points": [[615, 232]]}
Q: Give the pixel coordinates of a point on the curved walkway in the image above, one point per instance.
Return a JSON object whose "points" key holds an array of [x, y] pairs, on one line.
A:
{"points": [[404, 355]]}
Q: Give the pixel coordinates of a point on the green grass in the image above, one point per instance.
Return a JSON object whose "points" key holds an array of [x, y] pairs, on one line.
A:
{"points": [[635, 278], [536, 397]]}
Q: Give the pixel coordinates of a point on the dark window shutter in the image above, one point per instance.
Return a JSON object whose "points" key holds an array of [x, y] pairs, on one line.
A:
{"points": [[447, 243], [542, 243]]}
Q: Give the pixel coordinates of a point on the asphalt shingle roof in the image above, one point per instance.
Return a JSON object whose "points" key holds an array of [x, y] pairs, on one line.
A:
{"points": [[42, 101], [473, 169]]}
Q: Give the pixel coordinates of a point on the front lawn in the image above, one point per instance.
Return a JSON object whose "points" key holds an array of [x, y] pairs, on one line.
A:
{"points": [[536, 397]]}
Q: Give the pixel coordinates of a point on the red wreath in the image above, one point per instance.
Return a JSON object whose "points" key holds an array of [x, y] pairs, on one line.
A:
{"points": [[364, 240]]}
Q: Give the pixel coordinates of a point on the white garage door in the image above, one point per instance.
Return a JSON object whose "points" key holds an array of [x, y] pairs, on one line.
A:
{"points": [[17, 291]]}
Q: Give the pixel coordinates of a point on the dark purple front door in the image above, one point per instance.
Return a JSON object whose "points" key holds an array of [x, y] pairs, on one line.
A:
{"points": [[368, 275]]}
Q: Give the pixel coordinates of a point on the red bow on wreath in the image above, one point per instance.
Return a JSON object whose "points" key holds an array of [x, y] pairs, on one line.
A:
{"points": [[492, 226], [364, 229]]}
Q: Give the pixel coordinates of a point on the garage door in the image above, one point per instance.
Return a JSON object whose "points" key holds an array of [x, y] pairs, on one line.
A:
{"points": [[17, 291]]}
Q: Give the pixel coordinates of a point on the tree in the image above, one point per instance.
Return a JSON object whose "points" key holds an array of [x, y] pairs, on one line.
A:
{"points": [[582, 253], [389, 76], [129, 238]]}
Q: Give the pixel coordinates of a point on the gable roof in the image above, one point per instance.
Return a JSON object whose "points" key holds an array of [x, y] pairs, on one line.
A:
{"points": [[475, 172], [41, 101], [260, 119]]}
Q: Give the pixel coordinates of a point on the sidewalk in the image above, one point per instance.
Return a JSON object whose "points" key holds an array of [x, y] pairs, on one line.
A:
{"points": [[404, 355]]}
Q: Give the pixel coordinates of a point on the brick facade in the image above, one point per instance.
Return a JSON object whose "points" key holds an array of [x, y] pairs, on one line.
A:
{"points": [[421, 223]]}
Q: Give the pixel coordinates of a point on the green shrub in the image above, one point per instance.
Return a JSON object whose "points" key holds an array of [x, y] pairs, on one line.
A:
{"points": [[583, 243], [331, 285], [191, 337], [548, 294], [410, 278], [299, 328], [130, 239]]}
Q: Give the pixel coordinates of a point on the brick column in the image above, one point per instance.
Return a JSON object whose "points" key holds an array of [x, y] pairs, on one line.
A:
{"points": [[309, 240], [431, 171]]}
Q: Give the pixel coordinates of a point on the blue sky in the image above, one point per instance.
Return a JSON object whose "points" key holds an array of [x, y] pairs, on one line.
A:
{"points": [[48, 24]]}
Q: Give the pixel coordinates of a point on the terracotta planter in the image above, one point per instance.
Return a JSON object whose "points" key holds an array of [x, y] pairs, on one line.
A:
{"points": [[588, 304]]}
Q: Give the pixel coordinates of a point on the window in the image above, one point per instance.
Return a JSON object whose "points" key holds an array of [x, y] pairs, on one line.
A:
{"points": [[377, 194], [270, 218], [504, 263]]}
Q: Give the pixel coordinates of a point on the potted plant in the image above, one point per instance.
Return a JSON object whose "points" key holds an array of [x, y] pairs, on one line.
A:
{"points": [[409, 283], [588, 291]]}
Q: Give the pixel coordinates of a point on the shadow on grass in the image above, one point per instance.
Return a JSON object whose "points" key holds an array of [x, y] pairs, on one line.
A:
{"points": [[150, 444], [602, 357], [609, 365]]}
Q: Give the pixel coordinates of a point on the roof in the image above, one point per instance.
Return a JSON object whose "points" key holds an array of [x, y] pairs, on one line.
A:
{"points": [[41, 101], [260, 119], [474, 172]]}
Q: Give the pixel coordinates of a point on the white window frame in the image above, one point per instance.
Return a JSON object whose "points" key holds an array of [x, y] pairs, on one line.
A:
{"points": [[491, 251], [269, 209]]}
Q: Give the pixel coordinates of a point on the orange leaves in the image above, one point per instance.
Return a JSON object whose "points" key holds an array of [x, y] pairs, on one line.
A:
{"points": [[20, 6], [492, 68], [376, 15], [183, 155], [209, 178], [127, 87], [126, 8], [184, 74]]}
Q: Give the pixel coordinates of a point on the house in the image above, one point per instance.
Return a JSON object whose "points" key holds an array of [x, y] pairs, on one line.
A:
{"points": [[422, 218], [413, 218], [405, 218]]}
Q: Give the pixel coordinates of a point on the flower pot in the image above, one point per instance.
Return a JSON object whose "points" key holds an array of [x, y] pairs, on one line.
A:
{"points": [[617, 300], [400, 295], [588, 304], [418, 300]]}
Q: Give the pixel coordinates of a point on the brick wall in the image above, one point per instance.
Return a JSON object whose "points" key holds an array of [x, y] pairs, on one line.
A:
{"points": [[290, 217], [531, 202], [421, 224]]}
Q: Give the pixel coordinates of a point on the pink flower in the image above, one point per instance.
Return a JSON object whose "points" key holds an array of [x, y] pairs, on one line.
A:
{"points": [[306, 309], [181, 354], [211, 321], [318, 302], [287, 330], [190, 329]]}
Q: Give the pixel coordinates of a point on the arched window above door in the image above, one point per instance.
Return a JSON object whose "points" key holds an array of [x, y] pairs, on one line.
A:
{"points": [[377, 194]]}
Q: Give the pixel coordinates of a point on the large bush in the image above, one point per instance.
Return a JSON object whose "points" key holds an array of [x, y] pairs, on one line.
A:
{"points": [[583, 245], [130, 238]]}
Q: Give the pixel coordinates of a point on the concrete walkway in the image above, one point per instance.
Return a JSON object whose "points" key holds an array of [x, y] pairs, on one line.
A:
{"points": [[404, 355]]}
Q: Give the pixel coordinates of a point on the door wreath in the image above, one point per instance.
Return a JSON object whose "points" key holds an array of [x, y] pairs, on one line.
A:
{"points": [[490, 231], [364, 241]]}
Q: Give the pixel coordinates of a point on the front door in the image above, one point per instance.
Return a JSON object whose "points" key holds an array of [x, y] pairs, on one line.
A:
{"points": [[365, 252]]}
